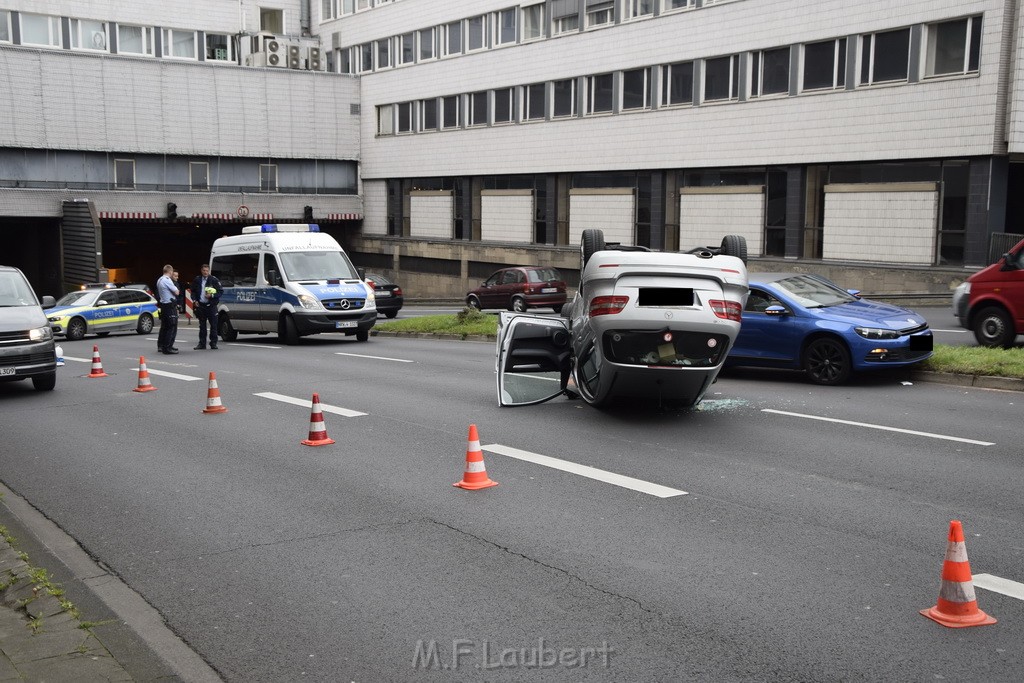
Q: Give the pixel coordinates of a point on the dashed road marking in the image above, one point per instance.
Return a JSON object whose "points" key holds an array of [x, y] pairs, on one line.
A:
{"points": [[880, 427], [999, 585], [308, 403], [586, 471], [360, 355]]}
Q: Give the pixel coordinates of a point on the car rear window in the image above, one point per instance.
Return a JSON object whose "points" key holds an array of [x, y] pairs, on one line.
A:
{"points": [[543, 275]]}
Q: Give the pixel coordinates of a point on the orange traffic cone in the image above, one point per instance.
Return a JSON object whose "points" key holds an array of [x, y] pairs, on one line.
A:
{"points": [[317, 429], [97, 364], [475, 476], [957, 606], [213, 404], [144, 383]]}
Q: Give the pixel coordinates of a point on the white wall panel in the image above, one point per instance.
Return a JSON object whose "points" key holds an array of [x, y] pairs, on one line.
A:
{"points": [[706, 215], [506, 216], [431, 215], [375, 207], [879, 225], [612, 211]]}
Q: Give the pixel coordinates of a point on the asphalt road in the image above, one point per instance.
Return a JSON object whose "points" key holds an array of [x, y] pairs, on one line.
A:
{"points": [[805, 529]]}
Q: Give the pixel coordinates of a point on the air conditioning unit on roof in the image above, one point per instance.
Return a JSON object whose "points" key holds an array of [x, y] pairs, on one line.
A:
{"points": [[313, 62], [295, 58]]}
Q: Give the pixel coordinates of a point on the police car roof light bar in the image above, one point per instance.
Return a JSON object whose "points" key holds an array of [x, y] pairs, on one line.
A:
{"points": [[281, 227]]}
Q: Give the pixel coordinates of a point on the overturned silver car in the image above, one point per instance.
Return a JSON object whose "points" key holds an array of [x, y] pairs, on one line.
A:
{"points": [[643, 325]]}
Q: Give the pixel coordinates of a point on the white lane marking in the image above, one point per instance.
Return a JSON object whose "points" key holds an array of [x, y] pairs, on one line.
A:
{"points": [[880, 427], [586, 471], [78, 360], [935, 329], [359, 355], [308, 402], [173, 375], [999, 585], [252, 346]]}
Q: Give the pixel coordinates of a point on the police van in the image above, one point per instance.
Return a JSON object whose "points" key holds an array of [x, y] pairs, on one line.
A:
{"points": [[292, 280]]}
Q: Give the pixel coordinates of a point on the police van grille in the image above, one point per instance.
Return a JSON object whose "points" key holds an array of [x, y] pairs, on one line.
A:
{"points": [[339, 304]]}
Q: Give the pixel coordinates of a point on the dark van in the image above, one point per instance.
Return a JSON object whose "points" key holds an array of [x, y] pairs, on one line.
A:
{"points": [[991, 302], [26, 340]]}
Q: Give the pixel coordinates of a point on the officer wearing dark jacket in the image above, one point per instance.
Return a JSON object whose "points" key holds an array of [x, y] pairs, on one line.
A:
{"points": [[206, 291]]}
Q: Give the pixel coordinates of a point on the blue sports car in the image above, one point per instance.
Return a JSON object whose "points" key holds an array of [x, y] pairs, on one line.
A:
{"points": [[805, 322]]}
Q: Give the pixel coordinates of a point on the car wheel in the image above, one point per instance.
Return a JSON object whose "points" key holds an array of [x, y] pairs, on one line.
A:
{"points": [[286, 331], [592, 241], [362, 335], [993, 328], [145, 324], [518, 304], [76, 329], [473, 302], [735, 245], [225, 330], [390, 314], [827, 361], [45, 382]]}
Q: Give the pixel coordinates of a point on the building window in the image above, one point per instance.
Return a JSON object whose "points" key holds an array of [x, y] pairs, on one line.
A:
{"points": [[533, 22], [721, 78], [600, 13], [677, 83], [600, 93], [534, 104], [427, 49], [179, 44], [478, 108], [366, 57], [135, 40], [5, 26], [385, 119], [476, 32], [677, 4], [345, 60], [124, 174], [328, 9], [362, 4], [268, 177], [636, 89], [348, 6], [219, 48], [453, 38], [39, 29], [88, 35], [428, 114], [566, 23], [272, 20], [198, 176], [450, 112], [383, 53], [885, 57], [503, 106], [954, 47], [769, 73], [639, 8], [506, 28], [405, 117], [565, 98], [825, 65], [407, 51]]}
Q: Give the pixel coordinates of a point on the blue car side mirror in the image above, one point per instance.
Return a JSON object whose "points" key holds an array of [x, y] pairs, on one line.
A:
{"points": [[776, 310]]}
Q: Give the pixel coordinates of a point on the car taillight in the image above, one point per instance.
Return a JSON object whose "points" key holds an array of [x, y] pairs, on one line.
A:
{"points": [[730, 310], [607, 305], [371, 284], [397, 291]]}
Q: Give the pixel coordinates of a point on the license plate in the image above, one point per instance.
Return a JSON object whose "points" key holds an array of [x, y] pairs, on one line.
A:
{"points": [[383, 294], [6, 371], [549, 290], [342, 324]]}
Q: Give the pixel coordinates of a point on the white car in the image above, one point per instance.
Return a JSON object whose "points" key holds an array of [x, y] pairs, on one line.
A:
{"points": [[645, 325]]}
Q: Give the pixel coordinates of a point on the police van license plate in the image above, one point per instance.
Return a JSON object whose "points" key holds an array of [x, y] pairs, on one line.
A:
{"points": [[6, 371], [342, 324]]}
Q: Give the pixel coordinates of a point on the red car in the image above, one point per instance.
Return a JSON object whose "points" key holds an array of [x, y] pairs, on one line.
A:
{"points": [[520, 288]]}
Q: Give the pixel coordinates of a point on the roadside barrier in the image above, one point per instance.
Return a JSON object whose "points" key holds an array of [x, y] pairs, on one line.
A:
{"points": [[144, 383], [475, 475], [97, 364], [213, 404], [957, 606], [317, 428]]}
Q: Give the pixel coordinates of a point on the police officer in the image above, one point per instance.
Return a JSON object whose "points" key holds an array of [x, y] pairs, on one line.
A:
{"points": [[167, 295], [206, 291]]}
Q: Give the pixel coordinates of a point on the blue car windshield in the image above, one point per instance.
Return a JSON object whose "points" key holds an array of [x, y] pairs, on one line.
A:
{"points": [[813, 292], [317, 265]]}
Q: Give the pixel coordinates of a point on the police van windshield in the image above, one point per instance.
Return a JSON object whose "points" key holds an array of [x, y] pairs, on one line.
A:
{"points": [[317, 265]]}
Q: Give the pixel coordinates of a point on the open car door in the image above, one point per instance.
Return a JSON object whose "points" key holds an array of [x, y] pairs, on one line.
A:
{"points": [[533, 358]]}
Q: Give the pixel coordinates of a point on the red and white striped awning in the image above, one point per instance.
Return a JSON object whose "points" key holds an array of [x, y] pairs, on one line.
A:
{"points": [[262, 217], [344, 217], [129, 215], [214, 216]]}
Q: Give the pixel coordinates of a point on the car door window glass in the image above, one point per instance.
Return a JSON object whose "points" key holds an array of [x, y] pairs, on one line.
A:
{"points": [[270, 264]]}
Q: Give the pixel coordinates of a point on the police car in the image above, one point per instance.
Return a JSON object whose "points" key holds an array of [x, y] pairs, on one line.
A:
{"points": [[102, 310]]}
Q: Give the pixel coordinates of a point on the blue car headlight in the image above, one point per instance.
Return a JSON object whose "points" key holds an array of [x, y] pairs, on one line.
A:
{"points": [[877, 333]]}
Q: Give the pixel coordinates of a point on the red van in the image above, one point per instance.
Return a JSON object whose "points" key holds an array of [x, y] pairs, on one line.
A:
{"points": [[991, 302]]}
